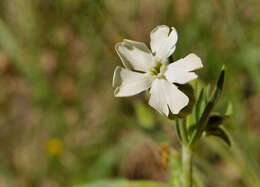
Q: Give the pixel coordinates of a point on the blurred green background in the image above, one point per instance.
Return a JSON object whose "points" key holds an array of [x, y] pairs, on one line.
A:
{"points": [[60, 124]]}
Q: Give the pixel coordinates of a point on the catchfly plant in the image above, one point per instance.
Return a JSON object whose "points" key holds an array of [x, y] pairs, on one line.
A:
{"points": [[151, 70]]}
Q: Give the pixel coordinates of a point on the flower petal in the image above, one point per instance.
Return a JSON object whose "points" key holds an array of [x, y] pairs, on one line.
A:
{"points": [[189, 63], [181, 77], [157, 36], [180, 71], [135, 55], [129, 83], [166, 96], [163, 41]]}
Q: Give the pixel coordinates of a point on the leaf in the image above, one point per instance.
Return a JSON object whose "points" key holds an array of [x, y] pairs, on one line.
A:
{"points": [[200, 104], [208, 92], [219, 132], [219, 86], [191, 129], [215, 120], [123, 183], [202, 123]]}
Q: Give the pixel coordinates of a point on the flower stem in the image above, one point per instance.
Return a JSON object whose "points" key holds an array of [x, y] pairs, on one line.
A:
{"points": [[183, 131], [186, 167]]}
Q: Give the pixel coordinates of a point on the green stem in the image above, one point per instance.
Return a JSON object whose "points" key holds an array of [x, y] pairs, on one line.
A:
{"points": [[201, 124], [183, 131], [186, 167]]}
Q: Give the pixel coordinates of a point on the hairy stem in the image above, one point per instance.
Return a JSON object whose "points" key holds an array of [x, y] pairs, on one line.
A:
{"points": [[186, 167]]}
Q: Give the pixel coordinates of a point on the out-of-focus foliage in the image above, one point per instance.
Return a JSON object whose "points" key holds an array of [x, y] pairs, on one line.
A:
{"points": [[121, 183], [59, 122]]}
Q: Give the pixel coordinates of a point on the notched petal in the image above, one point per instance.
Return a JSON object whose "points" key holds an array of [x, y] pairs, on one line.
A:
{"points": [[181, 71], [163, 41], [129, 83], [158, 35], [166, 97], [135, 55]]}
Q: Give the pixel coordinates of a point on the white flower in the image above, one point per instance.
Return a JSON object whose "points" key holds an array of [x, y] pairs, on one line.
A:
{"points": [[145, 69]]}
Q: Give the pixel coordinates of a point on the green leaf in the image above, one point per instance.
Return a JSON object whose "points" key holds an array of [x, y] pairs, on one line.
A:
{"points": [[191, 129], [202, 123], [123, 183], [200, 104], [219, 86], [219, 132], [208, 92]]}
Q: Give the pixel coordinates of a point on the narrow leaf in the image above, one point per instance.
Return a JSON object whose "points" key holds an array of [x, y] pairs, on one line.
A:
{"points": [[219, 132], [200, 107], [219, 86], [215, 120], [202, 123]]}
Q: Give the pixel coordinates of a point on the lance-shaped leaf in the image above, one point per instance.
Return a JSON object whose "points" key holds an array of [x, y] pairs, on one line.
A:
{"points": [[200, 104], [191, 129], [215, 120], [202, 123], [219, 86], [221, 133]]}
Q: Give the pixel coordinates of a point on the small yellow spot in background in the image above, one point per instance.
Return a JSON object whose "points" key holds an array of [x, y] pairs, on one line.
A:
{"points": [[164, 152], [54, 147]]}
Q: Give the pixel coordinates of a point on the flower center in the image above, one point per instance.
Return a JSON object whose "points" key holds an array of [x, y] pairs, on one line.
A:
{"points": [[158, 70]]}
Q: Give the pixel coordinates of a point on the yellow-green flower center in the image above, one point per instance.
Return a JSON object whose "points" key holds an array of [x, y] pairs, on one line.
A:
{"points": [[157, 69]]}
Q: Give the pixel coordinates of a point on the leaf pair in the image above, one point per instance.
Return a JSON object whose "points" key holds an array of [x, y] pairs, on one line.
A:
{"points": [[214, 128], [203, 112]]}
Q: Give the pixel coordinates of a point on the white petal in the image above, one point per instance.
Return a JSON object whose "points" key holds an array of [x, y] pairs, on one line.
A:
{"points": [[157, 36], [163, 41], [166, 96], [129, 83], [181, 77], [135, 55], [189, 63], [180, 71]]}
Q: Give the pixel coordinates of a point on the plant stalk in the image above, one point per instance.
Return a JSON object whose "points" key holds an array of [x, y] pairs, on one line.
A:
{"points": [[187, 179], [183, 131]]}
